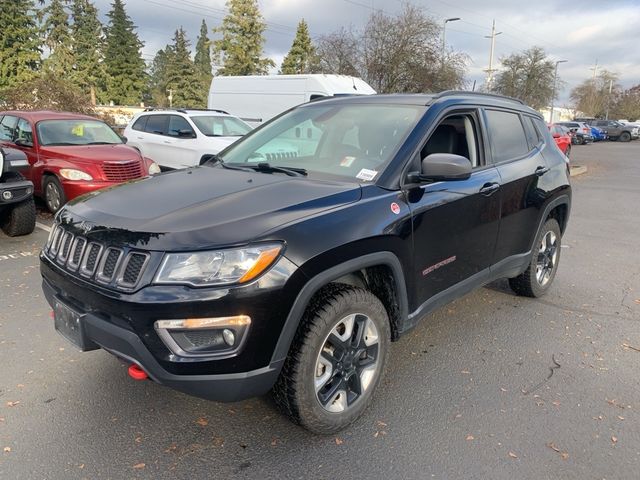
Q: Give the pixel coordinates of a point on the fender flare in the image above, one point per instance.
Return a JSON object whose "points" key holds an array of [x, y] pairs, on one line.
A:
{"points": [[292, 322], [561, 200]]}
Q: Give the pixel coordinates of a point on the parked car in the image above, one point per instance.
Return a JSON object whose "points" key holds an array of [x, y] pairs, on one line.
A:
{"points": [[598, 134], [240, 276], [70, 155], [616, 130], [563, 138], [258, 98], [582, 132], [17, 209], [181, 138]]}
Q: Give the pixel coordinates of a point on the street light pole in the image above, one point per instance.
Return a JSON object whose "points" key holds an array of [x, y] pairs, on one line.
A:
{"points": [[444, 30], [553, 94]]}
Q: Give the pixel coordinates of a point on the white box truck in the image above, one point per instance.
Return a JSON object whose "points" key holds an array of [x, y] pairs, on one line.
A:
{"points": [[257, 98]]}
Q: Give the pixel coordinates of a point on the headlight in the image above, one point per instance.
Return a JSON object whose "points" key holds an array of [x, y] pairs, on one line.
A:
{"points": [[154, 168], [220, 267], [72, 174]]}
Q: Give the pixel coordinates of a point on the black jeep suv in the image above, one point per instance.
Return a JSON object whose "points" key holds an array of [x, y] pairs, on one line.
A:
{"points": [[291, 260]]}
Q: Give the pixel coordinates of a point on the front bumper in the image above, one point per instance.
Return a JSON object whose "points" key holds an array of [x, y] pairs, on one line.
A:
{"points": [[98, 332], [76, 188]]}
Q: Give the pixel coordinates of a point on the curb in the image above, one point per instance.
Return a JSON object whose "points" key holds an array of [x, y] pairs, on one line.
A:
{"points": [[576, 170]]}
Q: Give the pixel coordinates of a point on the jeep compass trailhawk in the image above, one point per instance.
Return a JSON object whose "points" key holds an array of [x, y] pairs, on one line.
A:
{"points": [[292, 269]]}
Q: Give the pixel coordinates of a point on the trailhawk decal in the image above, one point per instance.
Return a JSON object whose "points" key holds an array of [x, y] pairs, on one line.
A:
{"points": [[444, 262]]}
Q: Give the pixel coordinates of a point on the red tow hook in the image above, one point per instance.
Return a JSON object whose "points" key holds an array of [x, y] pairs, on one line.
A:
{"points": [[137, 373]]}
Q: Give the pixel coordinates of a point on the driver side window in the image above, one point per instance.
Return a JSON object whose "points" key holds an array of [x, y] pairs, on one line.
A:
{"points": [[456, 134]]}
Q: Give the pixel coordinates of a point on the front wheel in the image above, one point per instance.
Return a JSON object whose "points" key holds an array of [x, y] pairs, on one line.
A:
{"points": [[336, 361], [537, 278], [53, 194], [625, 137], [20, 219]]}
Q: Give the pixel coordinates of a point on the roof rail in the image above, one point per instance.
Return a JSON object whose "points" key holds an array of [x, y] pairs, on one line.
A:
{"points": [[184, 110], [448, 93]]}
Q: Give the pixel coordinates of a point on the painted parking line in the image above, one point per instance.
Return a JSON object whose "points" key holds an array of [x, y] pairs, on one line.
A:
{"points": [[44, 227]]}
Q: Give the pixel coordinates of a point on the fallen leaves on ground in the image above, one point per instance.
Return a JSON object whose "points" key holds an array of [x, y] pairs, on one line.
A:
{"points": [[339, 441], [563, 455], [614, 439], [274, 442], [630, 347], [202, 421], [13, 404], [513, 455], [470, 437], [139, 466], [7, 449]]}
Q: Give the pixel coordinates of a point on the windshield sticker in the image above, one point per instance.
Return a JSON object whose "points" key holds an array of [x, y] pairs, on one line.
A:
{"points": [[366, 174], [347, 161]]}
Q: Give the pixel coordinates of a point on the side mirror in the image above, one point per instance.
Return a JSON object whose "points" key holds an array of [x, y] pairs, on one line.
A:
{"points": [[556, 135], [22, 142], [442, 167], [123, 138], [186, 134]]}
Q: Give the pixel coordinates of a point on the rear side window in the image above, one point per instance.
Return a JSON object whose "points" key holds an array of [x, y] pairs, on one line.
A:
{"points": [[8, 127], [140, 123], [178, 124], [534, 136], [157, 124], [508, 139]]}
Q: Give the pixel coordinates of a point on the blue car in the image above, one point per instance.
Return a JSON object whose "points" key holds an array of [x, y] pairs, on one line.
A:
{"points": [[598, 134]]}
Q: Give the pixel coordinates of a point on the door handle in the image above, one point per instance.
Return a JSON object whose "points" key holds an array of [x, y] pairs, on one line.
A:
{"points": [[489, 189], [168, 142], [140, 138], [541, 171]]}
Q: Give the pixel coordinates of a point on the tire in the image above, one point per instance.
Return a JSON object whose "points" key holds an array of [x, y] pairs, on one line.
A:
{"points": [[537, 278], [54, 196], [318, 387], [19, 219], [625, 137]]}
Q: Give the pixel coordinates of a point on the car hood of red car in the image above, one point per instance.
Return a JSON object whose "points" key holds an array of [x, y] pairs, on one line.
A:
{"points": [[92, 153]]}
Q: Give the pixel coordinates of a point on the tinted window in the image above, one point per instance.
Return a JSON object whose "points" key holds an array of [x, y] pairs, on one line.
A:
{"points": [[140, 123], [157, 124], [535, 138], [7, 127], [216, 126], [178, 124], [23, 131], [508, 139]]}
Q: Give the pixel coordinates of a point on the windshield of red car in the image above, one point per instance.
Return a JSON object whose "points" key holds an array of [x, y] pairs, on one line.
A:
{"points": [[76, 132]]}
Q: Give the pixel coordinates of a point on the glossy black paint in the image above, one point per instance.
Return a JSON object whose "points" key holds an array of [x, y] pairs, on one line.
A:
{"points": [[436, 240]]}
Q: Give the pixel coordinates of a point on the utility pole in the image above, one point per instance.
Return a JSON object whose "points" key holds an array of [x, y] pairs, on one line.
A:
{"points": [[609, 99], [553, 94], [490, 70]]}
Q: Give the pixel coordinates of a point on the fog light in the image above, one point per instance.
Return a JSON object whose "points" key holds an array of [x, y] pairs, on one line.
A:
{"points": [[7, 195], [204, 337], [229, 337]]}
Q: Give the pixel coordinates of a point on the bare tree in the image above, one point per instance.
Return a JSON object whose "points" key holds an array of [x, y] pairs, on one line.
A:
{"points": [[529, 76], [394, 53], [592, 96]]}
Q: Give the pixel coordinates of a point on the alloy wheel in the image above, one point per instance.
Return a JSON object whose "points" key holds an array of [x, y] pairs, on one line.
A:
{"points": [[53, 197], [347, 363], [547, 258]]}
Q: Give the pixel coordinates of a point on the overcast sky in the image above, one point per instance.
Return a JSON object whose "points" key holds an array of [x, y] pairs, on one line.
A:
{"points": [[582, 31]]}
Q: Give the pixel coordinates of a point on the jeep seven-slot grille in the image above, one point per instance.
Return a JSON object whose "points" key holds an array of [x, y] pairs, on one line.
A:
{"points": [[95, 261]]}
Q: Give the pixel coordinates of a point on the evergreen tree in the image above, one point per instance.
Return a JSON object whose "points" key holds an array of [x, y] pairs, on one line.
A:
{"points": [[301, 57], [182, 78], [126, 76], [202, 57], [241, 47], [158, 77], [88, 44], [19, 43], [57, 38]]}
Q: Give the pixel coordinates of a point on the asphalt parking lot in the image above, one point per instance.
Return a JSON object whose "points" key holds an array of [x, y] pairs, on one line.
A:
{"points": [[491, 386]]}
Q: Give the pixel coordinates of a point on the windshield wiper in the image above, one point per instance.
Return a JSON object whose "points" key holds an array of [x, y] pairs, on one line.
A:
{"points": [[268, 168], [102, 143]]}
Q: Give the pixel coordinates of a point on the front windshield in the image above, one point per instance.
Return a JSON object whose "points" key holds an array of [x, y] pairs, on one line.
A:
{"points": [[76, 132], [347, 140], [219, 126]]}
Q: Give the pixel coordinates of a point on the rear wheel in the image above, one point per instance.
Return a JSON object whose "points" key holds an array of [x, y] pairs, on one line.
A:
{"points": [[53, 193], [537, 278], [625, 137], [19, 219], [336, 361]]}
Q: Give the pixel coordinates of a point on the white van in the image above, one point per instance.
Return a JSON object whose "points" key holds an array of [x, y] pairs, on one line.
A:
{"points": [[257, 98]]}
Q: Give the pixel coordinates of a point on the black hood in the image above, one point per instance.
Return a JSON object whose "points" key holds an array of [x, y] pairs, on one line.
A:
{"points": [[203, 207]]}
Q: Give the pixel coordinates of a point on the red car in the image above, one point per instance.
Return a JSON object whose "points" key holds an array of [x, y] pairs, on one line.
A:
{"points": [[562, 136], [70, 155]]}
